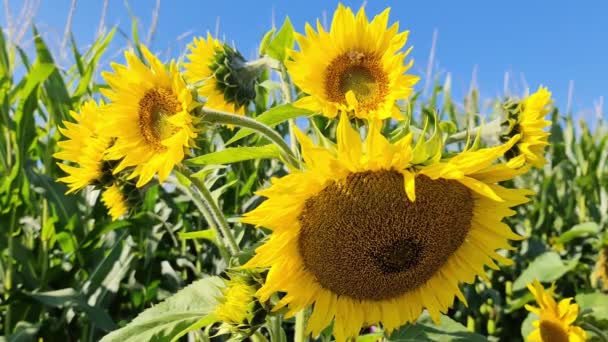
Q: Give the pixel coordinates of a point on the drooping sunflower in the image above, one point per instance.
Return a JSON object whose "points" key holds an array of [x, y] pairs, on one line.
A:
{"points": [[356, 67], [115, 201], [84, 147], [150, 116], [555, 323], [368, 238], [527, 119], [213, 65]]}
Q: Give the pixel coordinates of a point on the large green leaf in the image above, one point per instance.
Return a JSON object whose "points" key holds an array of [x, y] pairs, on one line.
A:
{"points": [[164, 321], [546, 267], [236, 154], [273, 117], [596, 302], [426, 330]]}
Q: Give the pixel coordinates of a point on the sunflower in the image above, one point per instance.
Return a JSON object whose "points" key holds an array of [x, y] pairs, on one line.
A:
{"points": [[149, 116], [114, 200], [84, 147], [356, 67], [555, 319], [369, 238], [212, 64], [237, 302], [528, 120]]}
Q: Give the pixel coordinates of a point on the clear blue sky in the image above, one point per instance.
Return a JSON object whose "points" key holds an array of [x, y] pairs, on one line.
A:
{"points": [[545, 42]]}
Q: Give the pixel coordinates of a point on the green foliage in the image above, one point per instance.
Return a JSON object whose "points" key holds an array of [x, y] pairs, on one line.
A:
{"points": [[167, 319], [70, 273]]}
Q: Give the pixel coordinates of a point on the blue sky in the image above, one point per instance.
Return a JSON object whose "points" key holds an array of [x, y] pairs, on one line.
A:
{"points": [[541, 42]]}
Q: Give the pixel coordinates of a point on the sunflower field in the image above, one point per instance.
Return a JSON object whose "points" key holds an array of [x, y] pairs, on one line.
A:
{"points": [[313, 193]]}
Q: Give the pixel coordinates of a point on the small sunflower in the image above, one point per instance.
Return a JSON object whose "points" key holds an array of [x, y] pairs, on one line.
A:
{"points": [[528, 120], [149, 116], [214, 65], [555, 319], [115, 201], [367, 237], [356, 67], [84, 147], [237, 303]]}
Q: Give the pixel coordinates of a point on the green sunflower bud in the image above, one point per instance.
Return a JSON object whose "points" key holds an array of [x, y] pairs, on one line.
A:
{"points": [[235, 78]]}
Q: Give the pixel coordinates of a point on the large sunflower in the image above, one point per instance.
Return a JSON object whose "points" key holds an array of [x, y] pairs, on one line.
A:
{"points": [[528, 121], [555, 319], [149, 116], [369, 238], [355, 67], [210, 65], [84, 147]]}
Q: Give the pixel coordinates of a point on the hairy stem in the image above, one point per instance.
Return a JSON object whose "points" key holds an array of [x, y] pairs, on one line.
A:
{"points": [[214, 210], [214, 116], [206, 211]]}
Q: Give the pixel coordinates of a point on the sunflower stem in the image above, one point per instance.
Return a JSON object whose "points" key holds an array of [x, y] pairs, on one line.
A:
{"points": [[300, 331], [215, 116], [602, 336], [287, 96], [491, 129], [216, 213], [226, 248], [275, 325]]}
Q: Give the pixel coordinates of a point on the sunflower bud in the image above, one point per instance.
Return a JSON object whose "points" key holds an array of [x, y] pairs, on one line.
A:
{"points": [[222, 75], [239, 309]]}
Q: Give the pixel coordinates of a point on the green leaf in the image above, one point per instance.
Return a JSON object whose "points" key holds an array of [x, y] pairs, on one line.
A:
{"points": [[38, 74], [596, 302], [236, 154], [168, 319], [207, 234], [203, 322], [273, 117], [266, 40], [68, 297], [86, 79], [426, 330], [547, 267], [579, 230], [282, 41]]}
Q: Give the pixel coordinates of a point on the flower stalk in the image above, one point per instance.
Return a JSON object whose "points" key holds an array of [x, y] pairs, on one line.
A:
{"points": [[215, 116]]}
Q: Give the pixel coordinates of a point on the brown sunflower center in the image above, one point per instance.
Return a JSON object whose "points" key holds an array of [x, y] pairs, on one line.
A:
{"points": [[363, 238], [552, 331], [359, 72], [154, 107]]}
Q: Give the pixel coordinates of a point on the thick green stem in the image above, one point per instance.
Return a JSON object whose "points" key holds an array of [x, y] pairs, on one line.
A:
{"points": [[276, 328], [493, 128], [206, 211], [300, 331], [287, 96], [214, 116], [215, 211]]}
